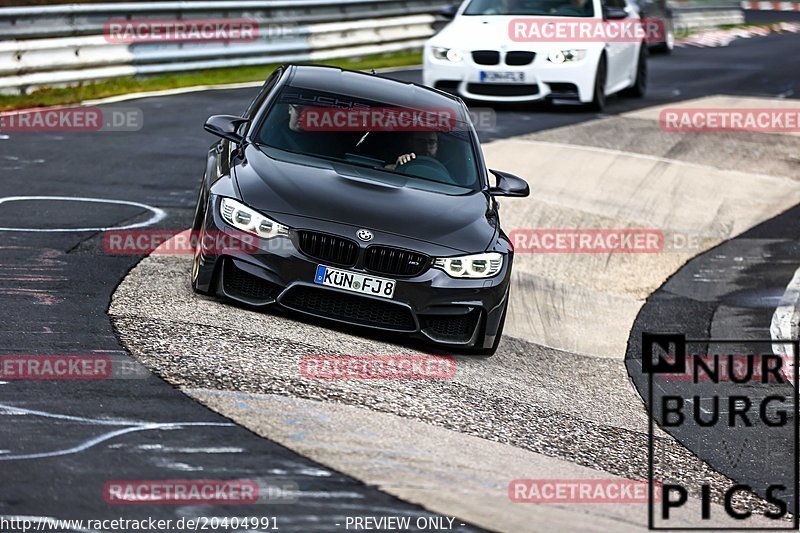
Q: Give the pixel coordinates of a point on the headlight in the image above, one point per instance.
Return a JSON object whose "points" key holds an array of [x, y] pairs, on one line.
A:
{"points": [[562, 56], [242, 217], [471, 266], [447, 54]]}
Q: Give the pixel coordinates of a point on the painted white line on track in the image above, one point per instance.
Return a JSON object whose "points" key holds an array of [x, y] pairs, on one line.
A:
{"points": [[158, 214], [133, 426], [785, 322]]}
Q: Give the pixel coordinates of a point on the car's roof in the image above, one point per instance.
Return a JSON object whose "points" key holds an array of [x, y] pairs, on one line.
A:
{"points": [[371, 87]]}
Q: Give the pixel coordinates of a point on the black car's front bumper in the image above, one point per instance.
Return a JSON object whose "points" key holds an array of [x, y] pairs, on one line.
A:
{"points": [[432, 306]]}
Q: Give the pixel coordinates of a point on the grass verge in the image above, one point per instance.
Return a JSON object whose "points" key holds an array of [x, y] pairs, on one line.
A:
{"points": [[116, 86]]}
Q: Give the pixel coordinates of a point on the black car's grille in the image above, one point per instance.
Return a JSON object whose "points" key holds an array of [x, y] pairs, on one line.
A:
{"points": [[518, 58], [240, 284], [453, 328], [394, 261], [503, 89], [349, 308], [328, 248], [486, 57]]}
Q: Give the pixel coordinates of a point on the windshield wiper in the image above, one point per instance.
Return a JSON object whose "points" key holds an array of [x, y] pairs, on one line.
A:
{"points": [[320, 156]]}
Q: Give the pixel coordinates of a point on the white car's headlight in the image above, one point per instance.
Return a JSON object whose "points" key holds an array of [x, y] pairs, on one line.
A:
{"points": [[471, 266], [242, 217], [447, 54], [563, 56]]}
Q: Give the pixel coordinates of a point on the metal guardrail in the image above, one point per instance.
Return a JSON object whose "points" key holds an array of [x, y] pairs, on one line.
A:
{"points": [[64, 44], [88, 19], [702, 15]]}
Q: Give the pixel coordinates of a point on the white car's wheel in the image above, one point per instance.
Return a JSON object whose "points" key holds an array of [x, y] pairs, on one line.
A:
{"points": [[598, 102], [639, 87], [670, 41], [668, 44]]}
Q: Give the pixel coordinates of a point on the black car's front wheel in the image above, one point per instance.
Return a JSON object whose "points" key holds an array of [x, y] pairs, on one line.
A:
{"points": [[196, 268], [197, 230]]}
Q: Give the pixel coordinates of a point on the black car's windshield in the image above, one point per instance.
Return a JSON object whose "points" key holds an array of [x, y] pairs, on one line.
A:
{"points": [[554, 8], [426, 146]]}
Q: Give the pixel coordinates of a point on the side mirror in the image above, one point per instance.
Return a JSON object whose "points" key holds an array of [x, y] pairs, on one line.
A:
{"points": [[509, 185], [225, 126], [614, 13], [449, 11]]}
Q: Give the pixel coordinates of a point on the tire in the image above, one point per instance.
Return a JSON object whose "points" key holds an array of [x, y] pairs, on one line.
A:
{"points": [[639, 87], [488, 352], [196, 269], [668, 44], [197, 229], [598, 102]]}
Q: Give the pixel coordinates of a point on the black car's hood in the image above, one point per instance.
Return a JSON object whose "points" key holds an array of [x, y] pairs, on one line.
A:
{"points": [[347, 194]]}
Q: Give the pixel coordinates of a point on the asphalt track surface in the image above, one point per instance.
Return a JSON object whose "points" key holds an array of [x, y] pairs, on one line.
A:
{"points": [[61, 441], [729, 292]]}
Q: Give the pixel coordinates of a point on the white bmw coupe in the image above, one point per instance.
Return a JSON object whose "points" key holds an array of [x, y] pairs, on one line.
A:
{"points": [[566, 51]]}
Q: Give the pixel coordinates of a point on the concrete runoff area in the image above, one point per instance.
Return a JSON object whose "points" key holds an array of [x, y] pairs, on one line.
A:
{"points": [[555, 401], [585, 302]]}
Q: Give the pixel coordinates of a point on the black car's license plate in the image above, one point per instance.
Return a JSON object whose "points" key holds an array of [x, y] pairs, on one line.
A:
{"points": [[353, 282]]}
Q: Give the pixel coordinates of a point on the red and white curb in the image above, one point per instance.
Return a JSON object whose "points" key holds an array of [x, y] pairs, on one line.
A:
{"points": [[716, 38], [772, 6]]}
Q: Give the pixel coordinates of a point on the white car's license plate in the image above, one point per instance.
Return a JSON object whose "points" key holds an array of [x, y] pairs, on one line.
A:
{"points": [[350, 281], [502, 77]]}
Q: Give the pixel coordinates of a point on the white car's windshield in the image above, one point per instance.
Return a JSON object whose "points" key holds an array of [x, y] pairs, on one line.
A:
{"points": [[554, 8]]}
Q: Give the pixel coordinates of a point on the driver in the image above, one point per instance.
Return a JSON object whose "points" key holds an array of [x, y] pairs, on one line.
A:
{"points": [[424, 143], [295, 137], [503, 7], [577, 8]]}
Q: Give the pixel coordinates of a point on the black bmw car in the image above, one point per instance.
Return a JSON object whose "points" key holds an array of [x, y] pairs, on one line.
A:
{"points": [[389, 224]]}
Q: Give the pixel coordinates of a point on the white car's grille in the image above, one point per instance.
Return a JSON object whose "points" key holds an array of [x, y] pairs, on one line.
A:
{"points": [[486, 57]]}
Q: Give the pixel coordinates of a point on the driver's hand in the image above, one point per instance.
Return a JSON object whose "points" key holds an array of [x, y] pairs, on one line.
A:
{"points": [[405, 158]]}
